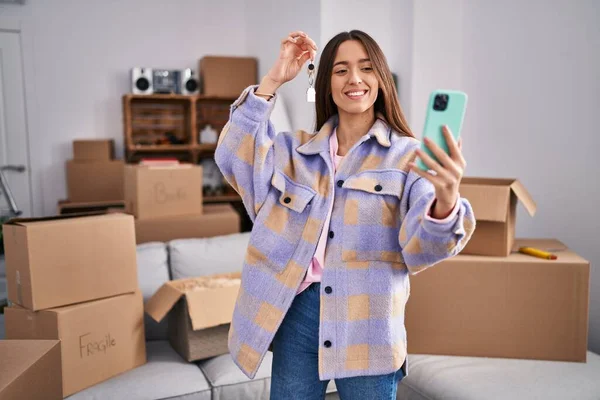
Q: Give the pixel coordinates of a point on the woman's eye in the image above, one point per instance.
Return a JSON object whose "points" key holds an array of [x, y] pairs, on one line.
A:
{"points": [[340, 71], [367, 69]]}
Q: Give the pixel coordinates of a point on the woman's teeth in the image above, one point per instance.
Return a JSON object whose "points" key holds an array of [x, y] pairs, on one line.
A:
{"points": [[356, 95]]}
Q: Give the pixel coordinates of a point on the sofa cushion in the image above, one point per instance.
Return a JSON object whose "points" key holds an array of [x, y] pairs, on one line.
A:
{"points": [[207, 256], [229, 383], [469, 378], [153, 272], [165, 376]]}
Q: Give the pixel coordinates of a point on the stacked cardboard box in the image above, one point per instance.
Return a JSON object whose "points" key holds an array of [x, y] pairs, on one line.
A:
{"points": [[167, 203], [94, 175], [30, 369], [74, 278], [227, 76], [491, 300]]}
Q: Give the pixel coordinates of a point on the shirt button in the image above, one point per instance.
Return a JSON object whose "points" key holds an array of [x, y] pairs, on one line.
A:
{"points": [[328, 289], [378, 188], [331, 234], [327, 343], [287, 200], [340, 183]]}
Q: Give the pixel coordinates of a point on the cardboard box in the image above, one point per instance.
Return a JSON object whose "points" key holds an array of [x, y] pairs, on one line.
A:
{"points": [[227, 76], [163, 191], [514, 307], [95, 181], [63, 260], [72, 207], [217, 220], [196, 330], [93, 150], [30, 369], [494, 203], [100, 338]]}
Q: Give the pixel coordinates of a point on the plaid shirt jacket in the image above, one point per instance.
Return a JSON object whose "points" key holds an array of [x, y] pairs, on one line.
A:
{"points": [[378, 237]]}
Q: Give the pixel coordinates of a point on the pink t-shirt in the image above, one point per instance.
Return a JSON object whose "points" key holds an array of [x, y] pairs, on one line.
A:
{"points": [[315, 269]]}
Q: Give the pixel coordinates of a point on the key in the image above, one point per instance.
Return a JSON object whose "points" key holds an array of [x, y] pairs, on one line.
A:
{"points": [[311, 95]]}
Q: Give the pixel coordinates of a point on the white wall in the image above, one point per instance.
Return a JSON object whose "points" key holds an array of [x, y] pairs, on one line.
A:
{"points": [[82, 51]]}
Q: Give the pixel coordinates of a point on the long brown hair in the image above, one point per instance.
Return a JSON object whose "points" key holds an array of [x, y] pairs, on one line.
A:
{"points": [[387, 99]]}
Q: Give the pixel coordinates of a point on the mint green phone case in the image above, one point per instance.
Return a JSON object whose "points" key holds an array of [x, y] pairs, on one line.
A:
{"points": [[452, 116]]}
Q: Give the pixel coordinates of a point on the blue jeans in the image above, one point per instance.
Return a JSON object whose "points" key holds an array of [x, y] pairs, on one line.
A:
{"points": [[295, 371]]}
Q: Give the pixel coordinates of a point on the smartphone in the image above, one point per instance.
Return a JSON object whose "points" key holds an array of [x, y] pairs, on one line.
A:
{"points": [[446, 107]]}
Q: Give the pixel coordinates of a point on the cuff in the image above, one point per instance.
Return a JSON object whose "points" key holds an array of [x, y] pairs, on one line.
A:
{"points": [[254, 107], [449, 218]]}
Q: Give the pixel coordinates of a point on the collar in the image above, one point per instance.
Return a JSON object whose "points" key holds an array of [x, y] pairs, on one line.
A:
{"points": [[319, 143]]}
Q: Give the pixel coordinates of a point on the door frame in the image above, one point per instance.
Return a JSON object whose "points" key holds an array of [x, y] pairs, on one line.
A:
{"points": [[25, 31]]}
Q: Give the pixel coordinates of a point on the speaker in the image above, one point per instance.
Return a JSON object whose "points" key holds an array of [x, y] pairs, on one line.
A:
{"points": [[189, 84], [166, 81], [141, 81]]}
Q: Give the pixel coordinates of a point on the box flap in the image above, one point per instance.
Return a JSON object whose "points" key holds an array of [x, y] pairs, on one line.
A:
{"points": [[490, 198], [18, 355], [210, 299], [215, 290], [162, 301], [213, 306], [524, 196]]}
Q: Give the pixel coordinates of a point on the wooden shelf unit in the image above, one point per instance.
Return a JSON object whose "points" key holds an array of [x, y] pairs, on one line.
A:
{"points": [[151, 118]]}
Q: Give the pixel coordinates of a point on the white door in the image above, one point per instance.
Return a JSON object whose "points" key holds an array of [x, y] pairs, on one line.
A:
{"points": [[14, 150]]}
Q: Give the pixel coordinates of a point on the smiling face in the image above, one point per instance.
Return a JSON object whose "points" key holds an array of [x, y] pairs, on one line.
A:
{"points": [[354, 84], [353, 77]]}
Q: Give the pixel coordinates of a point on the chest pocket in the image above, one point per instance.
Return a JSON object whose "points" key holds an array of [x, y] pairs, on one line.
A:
{"points": [[372, 216], [293, 195], [280, 224]]}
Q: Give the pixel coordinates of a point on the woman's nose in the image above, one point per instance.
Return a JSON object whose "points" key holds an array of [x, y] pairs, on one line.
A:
{"points": [[355, 77]]}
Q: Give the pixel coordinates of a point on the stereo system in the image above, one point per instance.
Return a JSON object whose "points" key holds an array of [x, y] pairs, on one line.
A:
{"points": [[163, 81]]}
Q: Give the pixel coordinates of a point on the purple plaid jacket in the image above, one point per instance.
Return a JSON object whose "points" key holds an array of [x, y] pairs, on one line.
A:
{"points": [[378, 237]]}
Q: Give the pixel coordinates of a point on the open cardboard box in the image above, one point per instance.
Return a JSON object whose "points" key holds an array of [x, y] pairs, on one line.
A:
{"points": [[200, 311], [494, 203]]}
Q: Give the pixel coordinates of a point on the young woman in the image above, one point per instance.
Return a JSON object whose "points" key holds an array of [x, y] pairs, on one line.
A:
{"points": [[341, 218]]}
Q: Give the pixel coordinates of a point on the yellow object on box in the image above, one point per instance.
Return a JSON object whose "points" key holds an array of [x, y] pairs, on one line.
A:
{"points": [[532, 251]]}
